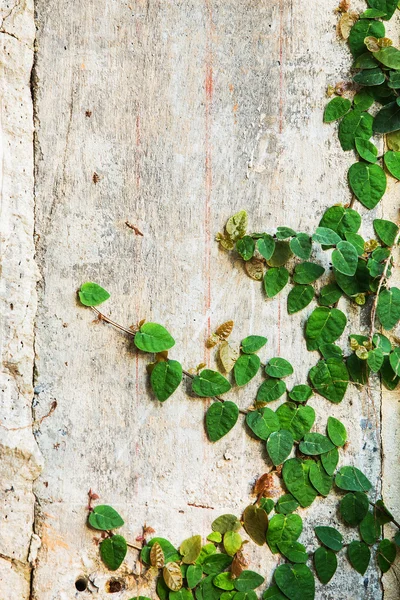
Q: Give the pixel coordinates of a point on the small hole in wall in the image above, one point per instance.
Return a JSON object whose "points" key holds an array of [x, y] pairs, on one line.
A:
{"points": [[114, 585], [81, 584]]}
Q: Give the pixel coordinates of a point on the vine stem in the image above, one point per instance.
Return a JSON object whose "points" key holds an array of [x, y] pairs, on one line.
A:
{"points": [[381, 282]]}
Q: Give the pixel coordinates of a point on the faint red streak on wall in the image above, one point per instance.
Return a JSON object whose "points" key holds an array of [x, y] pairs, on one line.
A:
{"points": [[137, 181], [209, 88], [281, 13]]}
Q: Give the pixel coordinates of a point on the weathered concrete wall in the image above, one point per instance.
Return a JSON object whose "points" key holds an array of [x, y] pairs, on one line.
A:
{"points": [[186, 111]]}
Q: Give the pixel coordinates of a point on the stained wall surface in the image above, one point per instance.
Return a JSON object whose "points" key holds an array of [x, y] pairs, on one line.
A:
{"points": [[171, 115]]}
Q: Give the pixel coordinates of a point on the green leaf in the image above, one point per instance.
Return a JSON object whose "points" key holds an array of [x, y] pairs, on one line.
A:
{"points": [[336, 109], [182, 594], [370, 529], [336, 431], [389, 377], [353, 508], [271, 390], [330, 537], [386, 555], [278, 367], [341, 220], [190, 549], [355, 124], [388, 309], [365, 61], [359, 556], [394, 80], [386, 231], [331, 351], [279, 446], [225, 523], [362, 29], [171, 554], [330, 460], [370, 77], [375, 359], [392, 162], [283, 528], [273, 593], [165, 378], [295, 581], [275, 280], [352, 479], [358, 369], [266, 246], [363, 99], [248, 580], [357, 241], [152, 337], [295, 474], [296, 419], [326, 236], [105, 517], [394, 360], [245, 247], [221, 417], [315, 443], [255, 522], [282, 233], [92, 294], [293, 551], [113, 551], [387, 119], [216, 563], [215, 536], [209, 384], [345, 258], [263, 422], [389, 56], [232, 542], [301, 245], [246, 368], [224, 581], [382, 515], [330, 378], [387, 7], [194, 575], [324, 325], [381, 341], [266, 504], [325, 563], [206, 551], [301, 393], [237, 225], [299, 297], [368, 183], [281, 255], [307, 272], [253, 343], [320, 480], [329, 294], [286, 504]]}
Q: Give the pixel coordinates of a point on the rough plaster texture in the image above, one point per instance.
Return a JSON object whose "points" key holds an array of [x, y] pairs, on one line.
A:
{"points": [[187, 111]]}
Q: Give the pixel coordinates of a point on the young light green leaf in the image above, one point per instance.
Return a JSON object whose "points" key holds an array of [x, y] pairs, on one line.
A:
{"points": [[283, 528], [299, 297], [279, 446], [105, 517], [253, 343], [345, 258], [91, 294], [209, 384], [152, 337], [301, 393], [271, 390], [329, 294], [359, 556], [278, 367], [386, 555], [263, 422], [245, 247], [325, 563], [286, 504], [190, 549], [330, 537], [368, 183], [362, 29], [225, 523], [275, 280], [236, 226], [165, 378], [301, 245], [394, 359], [320, 480], [393, 140], [221, 417], [295, 474], [224, 581], [266, 246], [330, 460], [330, 378], [315, 443], [386, 231], [336, 431], [352, 479], [326, 236], [255, 522], [307, 272], [113, 551], [246, 368], [336, 109], [388, 309], [296, 419], [353, 508], [355, 124], [366, 149], [207, 551], [324, 326], [248, 580], [295, 581], [392, 162], [232, 542]]}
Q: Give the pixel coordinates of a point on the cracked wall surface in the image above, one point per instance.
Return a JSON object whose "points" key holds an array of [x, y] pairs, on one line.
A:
{"points": [[172, 116]]}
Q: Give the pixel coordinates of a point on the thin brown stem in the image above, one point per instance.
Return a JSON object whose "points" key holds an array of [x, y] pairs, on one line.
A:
{"points": [[102, 317], [139, 548]]}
